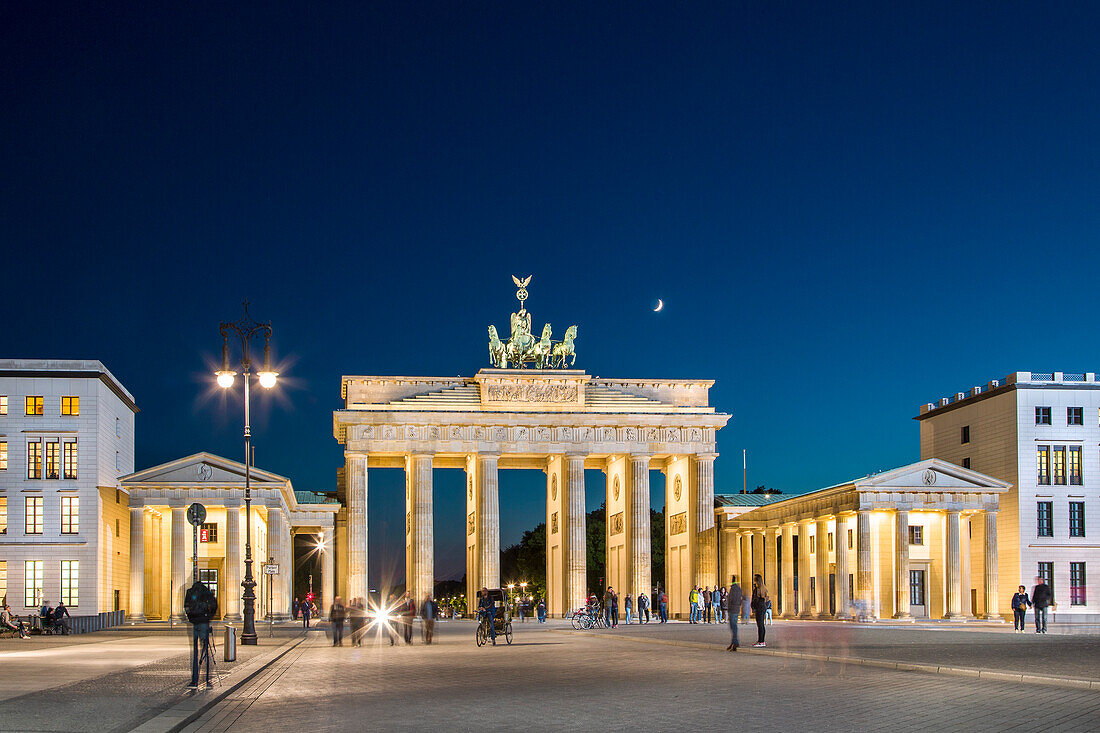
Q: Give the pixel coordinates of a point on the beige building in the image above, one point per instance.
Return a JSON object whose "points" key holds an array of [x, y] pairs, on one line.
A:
{"points": [[893, 545]]}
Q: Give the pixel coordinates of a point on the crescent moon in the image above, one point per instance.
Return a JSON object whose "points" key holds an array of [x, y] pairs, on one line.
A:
{"points": [[660, 305]]}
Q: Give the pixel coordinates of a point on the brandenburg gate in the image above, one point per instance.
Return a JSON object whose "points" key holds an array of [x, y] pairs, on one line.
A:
{"points": [[549, 417]]}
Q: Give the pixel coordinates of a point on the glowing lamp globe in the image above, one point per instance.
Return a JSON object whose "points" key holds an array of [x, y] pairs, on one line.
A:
{"points": [[225, 380]]}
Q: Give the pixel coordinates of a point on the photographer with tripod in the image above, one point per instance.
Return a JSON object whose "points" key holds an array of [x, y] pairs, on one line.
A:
{"points": [[201, 606]]}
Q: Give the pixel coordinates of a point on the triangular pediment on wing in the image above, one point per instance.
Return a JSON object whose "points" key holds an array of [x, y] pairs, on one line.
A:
{"points": [[200, 468], [933, 475]]}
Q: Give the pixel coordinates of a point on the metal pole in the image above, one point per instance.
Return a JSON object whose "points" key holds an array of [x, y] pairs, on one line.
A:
{"points": [[249, 635], [194, 554]]}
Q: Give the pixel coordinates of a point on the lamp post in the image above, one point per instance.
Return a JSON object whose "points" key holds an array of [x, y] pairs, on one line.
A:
{"points": [[247, 329]]}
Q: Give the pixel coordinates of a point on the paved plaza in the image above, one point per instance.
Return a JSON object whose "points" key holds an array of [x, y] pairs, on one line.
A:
{"points": [[672, 677]]}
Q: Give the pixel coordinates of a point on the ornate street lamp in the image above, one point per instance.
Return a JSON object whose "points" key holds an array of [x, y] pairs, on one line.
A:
{"points": [[247, 329]]}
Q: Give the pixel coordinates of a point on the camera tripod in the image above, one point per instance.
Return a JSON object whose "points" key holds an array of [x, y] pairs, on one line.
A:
{"points": [[208, 650]]}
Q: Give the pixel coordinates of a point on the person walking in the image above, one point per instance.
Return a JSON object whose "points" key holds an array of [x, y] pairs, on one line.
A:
{"points": [[629, 606], [305, 615], [428, 612], [357, 618], [1041, 598], [1020, 604], [746, 607], [733, 605], [336, 614], [759, 606], [541, 610], [408, 613], [768, 612]]}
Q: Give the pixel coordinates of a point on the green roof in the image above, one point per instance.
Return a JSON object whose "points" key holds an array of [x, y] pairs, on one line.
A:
{"points": [[312, 497], [748, 499]]}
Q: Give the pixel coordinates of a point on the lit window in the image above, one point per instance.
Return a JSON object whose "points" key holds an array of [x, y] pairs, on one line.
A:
{"points": [[1077, 519], [32, 508], [70, 582], [851, 539], [1077, 584], [916, 536], [965, 434], [1042, 455], [3, 578], [34, 406], [70, 406], [3, 455], [1058, 464], [1075, 465], [1046, 572], [813, 544], [32, 583], [830, 541], [53, 459], [70, 515], [34, 459], [916, 587], [3, 404], [70, 459], [209, 578], [3, 516], [1042, 416], [1044, 513], [208, 532], [1075, 416]]}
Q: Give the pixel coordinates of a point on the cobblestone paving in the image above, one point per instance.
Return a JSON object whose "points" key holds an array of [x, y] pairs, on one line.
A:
{"points": [[556, 681]]}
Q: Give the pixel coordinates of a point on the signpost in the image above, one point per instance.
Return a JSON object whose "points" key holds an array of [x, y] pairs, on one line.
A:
{"points": [[196, 515], [270, 569]]}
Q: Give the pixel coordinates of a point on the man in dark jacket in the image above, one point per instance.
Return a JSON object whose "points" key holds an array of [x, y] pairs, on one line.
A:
{"points": [[1041, 598], [200, 605], [733, 605], [336, 613]]}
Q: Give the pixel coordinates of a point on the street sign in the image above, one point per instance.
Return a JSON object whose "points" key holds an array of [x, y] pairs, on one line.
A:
{"points": [[271, 569], [196, 514]]}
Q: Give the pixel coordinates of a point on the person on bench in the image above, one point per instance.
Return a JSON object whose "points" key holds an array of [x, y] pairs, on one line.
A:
{"points": [[45, 618], [60, 618], [11, 623]]}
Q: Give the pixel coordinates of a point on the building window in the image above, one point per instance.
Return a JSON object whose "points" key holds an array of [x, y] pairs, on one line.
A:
{"points": [[813, 543], [1077, 584], [851, 540], [1058, 464], [118, 529], [118, 461], [69, 467], [3, 455], [1042, 416], [1042, 455], [53, 459], [966, 463], [32, 514], [916, 535], [1077, 519], [1075, 465], [118, 496], [34, 459], [208, 532], [1075, 416], [70, 582], [209, 578], [118, 428], [1046, 572], [3, 578], [32, 583], [3, 516], [916, 587], [1045, 516], [3, 404], [965, 434], [70, 515], [813, 590], [830, 542], [34, 406], [70, 406]]}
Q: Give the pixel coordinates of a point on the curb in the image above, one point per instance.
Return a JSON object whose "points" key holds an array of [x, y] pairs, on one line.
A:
{"points": [[985, 674], [192, 706]]}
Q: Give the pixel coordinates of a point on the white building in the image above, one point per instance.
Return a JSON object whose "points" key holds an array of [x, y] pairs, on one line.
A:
{"points": [[66, 435], [1041, 434]]}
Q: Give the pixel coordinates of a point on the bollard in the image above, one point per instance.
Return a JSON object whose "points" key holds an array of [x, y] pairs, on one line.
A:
{"points": [[230, 645]]}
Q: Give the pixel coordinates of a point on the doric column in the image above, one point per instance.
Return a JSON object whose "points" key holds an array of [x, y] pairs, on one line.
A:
{"points": [[864, 569], [952, 563], [641, 549], [821, 556], [788, 605], [356, 478], [770, 574], [137, 564], [840, 547], [179, 560], [706, 557], [805, 570], [989, 563], [745, 540], [901, 564], [231, 604], [420, 547], [328, 569], [488, 521], [574, 541]]}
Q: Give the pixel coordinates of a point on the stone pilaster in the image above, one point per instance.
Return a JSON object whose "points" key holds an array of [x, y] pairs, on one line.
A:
{"points": [[231, 604], [278, 537], [744, 538], [356, 477], [488, 521], [790, 610], [805, 570], [574, 543], [640, 540], [989, 564], [840, 548], [731, 554], [420, 549], [179, 560], [770, 574], [137, 564], [953, 566], [901, 564], [706, 557], [821, 558], [864, 566], [328, 570]]}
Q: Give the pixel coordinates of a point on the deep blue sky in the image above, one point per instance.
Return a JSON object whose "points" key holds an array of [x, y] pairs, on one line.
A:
{"points": [[849, 209]]}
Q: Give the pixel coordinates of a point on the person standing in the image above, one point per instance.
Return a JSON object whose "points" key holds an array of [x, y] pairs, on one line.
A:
{"points": [[336, 614], [643, 608], [628, 605], [716, 596], [408, 613], [607, 606], [294, 608], [1041, 598], [693, 604], [708, 607], [305, 615], [1020, 604], [759, 606], [664, 607], [614, 609], [541, 610], [357, 617], [733, 605], [428, 612], [746, 607]]}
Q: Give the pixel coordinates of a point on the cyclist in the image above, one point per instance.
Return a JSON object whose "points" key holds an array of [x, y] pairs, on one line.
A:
{"points": [[486, 611]]}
